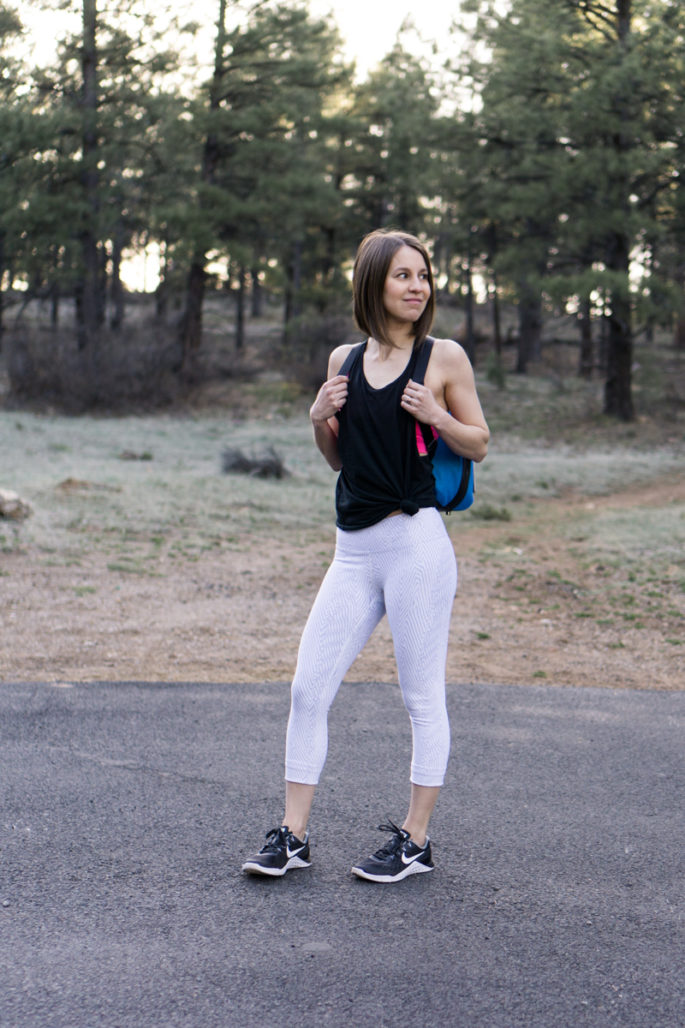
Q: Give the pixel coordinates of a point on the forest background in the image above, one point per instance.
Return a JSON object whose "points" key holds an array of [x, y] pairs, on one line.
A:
{"points": [[177, 224]]}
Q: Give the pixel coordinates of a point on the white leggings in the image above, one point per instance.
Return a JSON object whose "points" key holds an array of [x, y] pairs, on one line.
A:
{"points": [[403, 566]]}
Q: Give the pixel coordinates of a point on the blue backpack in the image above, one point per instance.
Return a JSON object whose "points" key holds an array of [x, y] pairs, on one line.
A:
{"points": [[453, 474]]}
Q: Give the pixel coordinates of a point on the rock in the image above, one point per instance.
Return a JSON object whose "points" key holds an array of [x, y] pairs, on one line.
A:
{"points": [[12, 507]]}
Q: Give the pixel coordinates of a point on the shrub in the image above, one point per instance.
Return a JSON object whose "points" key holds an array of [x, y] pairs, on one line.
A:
{"points": [[124, 370], [308, 344], [269, 464]]}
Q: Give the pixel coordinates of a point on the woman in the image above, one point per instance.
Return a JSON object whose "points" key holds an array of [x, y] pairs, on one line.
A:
{"points": [[393, 555]]}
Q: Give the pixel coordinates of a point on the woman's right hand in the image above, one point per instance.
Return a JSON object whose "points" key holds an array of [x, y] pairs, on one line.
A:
{"points": [[331, 398]]}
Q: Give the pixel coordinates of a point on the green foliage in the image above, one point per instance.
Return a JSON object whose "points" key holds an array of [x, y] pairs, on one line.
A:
{"points": [[393, 143], [546, 160], [576, 122]]}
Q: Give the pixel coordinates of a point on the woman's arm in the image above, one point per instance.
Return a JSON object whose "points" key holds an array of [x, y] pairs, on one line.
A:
{"points": [[331, 398], [449, 402]]}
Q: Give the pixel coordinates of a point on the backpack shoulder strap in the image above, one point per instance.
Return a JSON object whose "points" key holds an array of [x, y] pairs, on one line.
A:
{"points": [[422, 359], [426, 436], [349, 360]]}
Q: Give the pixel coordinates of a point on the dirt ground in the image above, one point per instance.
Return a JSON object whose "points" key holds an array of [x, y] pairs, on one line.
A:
{"points": [[530, 608]]}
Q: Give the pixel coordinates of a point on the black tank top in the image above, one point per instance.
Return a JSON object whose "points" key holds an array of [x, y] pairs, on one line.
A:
{"points": [[381, 468]]}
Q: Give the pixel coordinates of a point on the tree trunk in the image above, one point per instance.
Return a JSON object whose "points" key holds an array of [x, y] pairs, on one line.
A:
{"points": [[618, 401], [443, 263], [293, 285], [117, 293], [679, 334], [530, 328], [469, 340], [329, 263], [651, 320], [240, 310], [191, 320], [87, 289], [257, 294], [587, 356], [623, 15], [162, 290], [679, 326], [496, 319], [603, 341], [54, 304]]}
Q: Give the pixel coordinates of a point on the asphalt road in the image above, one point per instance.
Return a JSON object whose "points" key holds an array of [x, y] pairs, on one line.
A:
{"points": [[557, 897]]}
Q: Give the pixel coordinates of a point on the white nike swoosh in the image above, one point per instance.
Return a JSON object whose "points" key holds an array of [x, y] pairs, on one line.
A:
{"points": [[410, 860], [293, 853]]}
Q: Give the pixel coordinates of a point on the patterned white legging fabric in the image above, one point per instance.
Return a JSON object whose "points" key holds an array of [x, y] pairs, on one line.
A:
{"points": [[403, 566]]}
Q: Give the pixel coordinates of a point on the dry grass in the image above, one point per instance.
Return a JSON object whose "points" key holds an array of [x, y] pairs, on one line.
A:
{"points": [[143, 559]]}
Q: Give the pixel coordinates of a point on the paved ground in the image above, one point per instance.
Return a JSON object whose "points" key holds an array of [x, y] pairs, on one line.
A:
{"points": [[557, 897]]}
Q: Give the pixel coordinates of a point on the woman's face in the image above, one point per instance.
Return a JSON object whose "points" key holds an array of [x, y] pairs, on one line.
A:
{"points": [[407, 286]]}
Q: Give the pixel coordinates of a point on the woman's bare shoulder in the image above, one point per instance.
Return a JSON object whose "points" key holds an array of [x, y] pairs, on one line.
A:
{"points": [[450, 353], [337, 357]]}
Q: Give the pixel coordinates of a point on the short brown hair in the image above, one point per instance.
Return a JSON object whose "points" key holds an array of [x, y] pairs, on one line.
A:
{"points": [[371, 267]]}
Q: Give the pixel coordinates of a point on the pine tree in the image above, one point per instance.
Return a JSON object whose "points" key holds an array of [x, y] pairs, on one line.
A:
{"points": [[98, 116], [395, 159], [263, 169], [577, 133], [13, 150]]}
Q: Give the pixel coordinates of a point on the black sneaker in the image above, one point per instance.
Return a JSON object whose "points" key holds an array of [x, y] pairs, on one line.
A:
{"points": [[398, 859], [283, 852]]}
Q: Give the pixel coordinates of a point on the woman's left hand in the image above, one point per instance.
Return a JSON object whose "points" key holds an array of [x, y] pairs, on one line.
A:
{"points": [[419, 401]]}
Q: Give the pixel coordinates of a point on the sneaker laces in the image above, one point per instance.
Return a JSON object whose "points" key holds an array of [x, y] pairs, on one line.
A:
{"points": [[276, 840], [399, 837]]}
